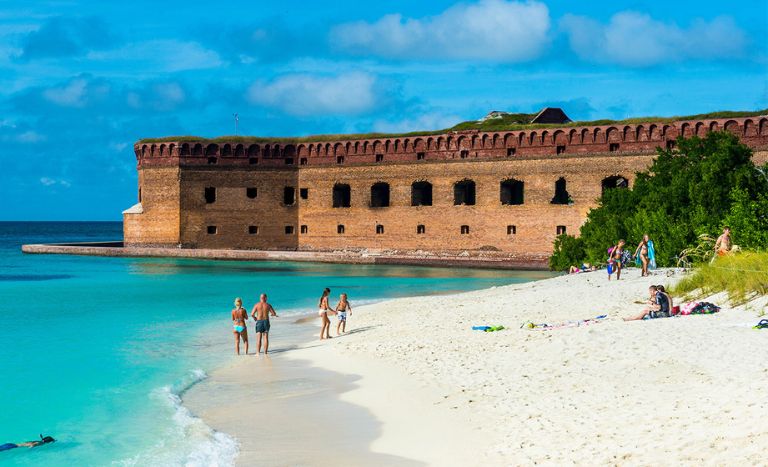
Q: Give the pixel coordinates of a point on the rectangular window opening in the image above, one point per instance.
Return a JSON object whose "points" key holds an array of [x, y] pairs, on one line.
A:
{"points": [[304, 193], [253, 229], [560, 149], [340, 160], [212, 160], [613, 147], [304, 229], [420, 229], [289, 230], [671, 144], [339, 229], [253, 160], [212, 230], [464, 229], [379, 157], [251, 192], [560, 229], [210, 194], [289, 196], [511, 151], [511, 229], [379, 229], [464, 154], [420, 156], [303, 161], [289, 161]]}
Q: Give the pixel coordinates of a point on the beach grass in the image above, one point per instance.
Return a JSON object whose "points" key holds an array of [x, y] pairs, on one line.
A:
{"points": [[743, 276]]}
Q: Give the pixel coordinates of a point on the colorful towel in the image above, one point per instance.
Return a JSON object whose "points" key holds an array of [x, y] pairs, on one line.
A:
{"points": [[565, 324]]}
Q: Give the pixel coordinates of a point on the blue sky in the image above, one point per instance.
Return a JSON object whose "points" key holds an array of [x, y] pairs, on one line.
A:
{"points": [[82, 81]]}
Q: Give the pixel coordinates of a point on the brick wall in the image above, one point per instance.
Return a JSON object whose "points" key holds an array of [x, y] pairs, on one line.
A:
{"points": [[173, 178]]}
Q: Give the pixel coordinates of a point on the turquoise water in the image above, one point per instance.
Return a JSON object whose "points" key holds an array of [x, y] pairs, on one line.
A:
{"points": [[95, 351]]}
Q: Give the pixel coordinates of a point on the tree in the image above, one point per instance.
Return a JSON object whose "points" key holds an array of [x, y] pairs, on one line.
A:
{"points": [[692, 190]]}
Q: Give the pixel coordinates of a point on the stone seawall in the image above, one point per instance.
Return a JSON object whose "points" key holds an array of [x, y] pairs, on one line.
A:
{"points": [[487, 260]]}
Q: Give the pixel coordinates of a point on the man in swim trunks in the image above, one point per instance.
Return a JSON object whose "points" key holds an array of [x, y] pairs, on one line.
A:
{"points": [[239, 317], [261, 312], [723, 243], [27, 444]]}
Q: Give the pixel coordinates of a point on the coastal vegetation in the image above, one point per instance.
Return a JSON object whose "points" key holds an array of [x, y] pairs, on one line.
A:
{"points": [[743, 276], [505, 122], [692, 190]]}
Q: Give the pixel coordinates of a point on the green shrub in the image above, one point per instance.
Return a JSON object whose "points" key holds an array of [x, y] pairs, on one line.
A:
{"points": [[742, 275], [569, 251]]}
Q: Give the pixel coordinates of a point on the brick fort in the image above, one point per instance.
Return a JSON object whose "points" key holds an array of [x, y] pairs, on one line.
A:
{"points": [[486, 194]]}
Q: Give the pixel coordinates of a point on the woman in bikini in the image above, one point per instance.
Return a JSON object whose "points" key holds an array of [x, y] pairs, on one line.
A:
{"points": [[642, 253], [239, 316], [325, 331], [615, 259]]}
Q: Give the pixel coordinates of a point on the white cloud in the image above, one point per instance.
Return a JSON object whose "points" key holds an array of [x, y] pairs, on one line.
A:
{"points": [[166, 55], [635, 39], [344, 94], [47, 181], [78, 92], [491, 30]]}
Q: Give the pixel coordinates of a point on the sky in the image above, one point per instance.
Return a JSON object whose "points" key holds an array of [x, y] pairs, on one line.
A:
{"points": [[81, 81]]}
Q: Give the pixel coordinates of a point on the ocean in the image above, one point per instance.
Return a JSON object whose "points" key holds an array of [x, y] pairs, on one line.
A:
{"points": [[97, 352]]}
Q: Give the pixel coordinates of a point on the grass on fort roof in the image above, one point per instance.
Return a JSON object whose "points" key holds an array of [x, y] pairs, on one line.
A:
{"points": [[508, 122]]}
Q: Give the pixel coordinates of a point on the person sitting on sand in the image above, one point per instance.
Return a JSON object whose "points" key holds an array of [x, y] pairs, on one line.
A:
{"points": [[615, 258], [325, 330], [27, 444], [341, 312], [585, 267], [239, 317], [261, 312], [661, 289], [658, 309], [641, 252]]}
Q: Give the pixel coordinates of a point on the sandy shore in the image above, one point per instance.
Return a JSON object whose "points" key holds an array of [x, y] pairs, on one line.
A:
{"points": [[414, 385]]}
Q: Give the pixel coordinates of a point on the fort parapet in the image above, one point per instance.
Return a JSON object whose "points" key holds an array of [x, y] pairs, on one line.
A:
{"points": [[497, 194]]}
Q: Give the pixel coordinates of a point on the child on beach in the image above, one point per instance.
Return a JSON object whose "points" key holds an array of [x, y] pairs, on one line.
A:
{"points": [[239, 317], [341, 312]]}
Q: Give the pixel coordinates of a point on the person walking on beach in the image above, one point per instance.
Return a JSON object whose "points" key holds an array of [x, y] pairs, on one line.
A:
{"points": [[641, 253], [325, 330], [342, 309], [723, 243], [615, 259], [261, 312], [239, 317]]}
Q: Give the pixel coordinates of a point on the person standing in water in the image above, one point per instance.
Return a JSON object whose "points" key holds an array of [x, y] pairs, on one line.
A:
{"points": [[261, 312], [325, 330], [239, 317], [342, 309]]}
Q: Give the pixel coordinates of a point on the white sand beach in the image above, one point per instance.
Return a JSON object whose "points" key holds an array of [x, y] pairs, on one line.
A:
{"points": [[412, 384]]}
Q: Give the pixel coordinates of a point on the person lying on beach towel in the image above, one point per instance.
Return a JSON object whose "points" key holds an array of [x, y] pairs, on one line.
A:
{"points": [[658, 309], [27, 444], [585, 267]]}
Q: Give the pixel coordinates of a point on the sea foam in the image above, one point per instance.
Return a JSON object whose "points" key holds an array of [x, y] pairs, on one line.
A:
{"points": [[189, 441]]}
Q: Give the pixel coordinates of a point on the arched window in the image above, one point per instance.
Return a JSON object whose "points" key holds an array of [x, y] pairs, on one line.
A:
{"points": [[464, 193], [512, 192], [561, 193], [380, 195], [342, 196], [421, 194]]}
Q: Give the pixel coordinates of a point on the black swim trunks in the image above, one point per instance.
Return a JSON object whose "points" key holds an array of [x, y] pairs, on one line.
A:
{"points": [[262, 325]]}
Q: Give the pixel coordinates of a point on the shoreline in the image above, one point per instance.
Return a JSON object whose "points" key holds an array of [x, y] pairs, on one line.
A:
{"points": [[464, 259], [681, 390]]}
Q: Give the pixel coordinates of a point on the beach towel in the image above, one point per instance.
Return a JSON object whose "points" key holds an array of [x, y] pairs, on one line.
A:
{"points": [[487, 328], [565, 324], [651, 255]]}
